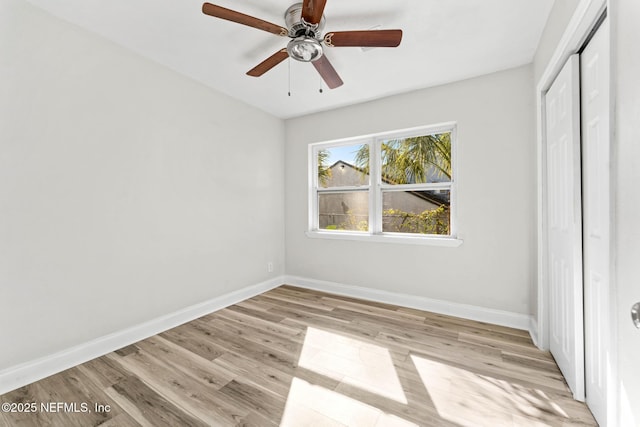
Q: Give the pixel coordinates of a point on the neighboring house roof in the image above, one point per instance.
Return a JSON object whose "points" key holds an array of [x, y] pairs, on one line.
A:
{"points": [[429, 197]]}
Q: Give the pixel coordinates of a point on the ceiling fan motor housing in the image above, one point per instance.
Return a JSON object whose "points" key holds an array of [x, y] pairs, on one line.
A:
{"points": [[303, 29], [306, 45], [297, 26]]}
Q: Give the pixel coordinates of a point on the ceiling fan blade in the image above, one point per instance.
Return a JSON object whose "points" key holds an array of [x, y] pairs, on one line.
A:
{"points": [[312, 10], [241, 18], [268, 63], [370, 38], [327, 72]]}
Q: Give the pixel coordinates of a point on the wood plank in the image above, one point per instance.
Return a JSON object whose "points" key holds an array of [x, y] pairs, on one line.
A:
{"points": [[268, 378], [104, 372], [122, 420], [153, 408], [187, 394], [268, 405], [194, 340], [291, 343], [191, 364], [247, 308], [261, 322]]}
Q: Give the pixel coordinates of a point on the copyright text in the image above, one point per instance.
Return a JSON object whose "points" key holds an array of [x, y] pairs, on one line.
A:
{"points": [[53, 407]]}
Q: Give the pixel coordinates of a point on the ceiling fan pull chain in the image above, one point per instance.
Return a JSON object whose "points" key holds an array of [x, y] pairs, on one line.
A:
{"points": [[289, 63], [320, 80]]}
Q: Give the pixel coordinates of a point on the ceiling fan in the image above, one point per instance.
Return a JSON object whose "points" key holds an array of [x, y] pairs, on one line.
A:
{"points": [[305, 23]]}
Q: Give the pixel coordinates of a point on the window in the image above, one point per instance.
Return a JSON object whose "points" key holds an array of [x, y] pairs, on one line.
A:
{"points": [[397, 184]]}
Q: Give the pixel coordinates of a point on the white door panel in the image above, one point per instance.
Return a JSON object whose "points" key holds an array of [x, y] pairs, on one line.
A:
{"points": [[594, 67], [564, 209], [626, 69]]}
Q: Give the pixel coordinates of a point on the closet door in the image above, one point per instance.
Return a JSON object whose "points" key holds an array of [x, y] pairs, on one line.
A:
{"points": [[564, 211], [594, 71]]}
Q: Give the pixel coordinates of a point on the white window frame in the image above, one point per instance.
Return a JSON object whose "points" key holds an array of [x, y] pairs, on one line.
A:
{"points": [[376, 188]]}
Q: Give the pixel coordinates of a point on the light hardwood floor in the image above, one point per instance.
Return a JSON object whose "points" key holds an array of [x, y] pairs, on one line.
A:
{"points": [[295, 357]]}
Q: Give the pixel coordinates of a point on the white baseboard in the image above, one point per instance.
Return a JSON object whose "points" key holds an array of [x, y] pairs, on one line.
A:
{"points": [[533, 330], [465, 311], [26, 373]]}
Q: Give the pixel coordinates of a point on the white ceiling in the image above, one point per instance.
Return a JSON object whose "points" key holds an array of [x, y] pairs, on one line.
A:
{"points": [[444, 41]]}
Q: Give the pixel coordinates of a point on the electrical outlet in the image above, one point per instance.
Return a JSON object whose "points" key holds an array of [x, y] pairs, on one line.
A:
{"points": [[270, 267]]}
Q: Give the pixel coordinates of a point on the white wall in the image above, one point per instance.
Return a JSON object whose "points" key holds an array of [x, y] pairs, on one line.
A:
{"points": [[496, 196], [126, 191], [625, 15], [559, 17]]}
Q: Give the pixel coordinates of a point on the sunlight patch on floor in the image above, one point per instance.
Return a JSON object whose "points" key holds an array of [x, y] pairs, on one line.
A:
{"points": [[312, 405], [460, 395], [353, 362]]}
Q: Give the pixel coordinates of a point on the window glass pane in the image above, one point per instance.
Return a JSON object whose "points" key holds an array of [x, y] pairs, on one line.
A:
{"points": [[421, 212], [343, 166], [344, 211], [417, 160]]}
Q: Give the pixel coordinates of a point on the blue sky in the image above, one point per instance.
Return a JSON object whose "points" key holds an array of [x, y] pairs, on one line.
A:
{"points": [[345, 153]]}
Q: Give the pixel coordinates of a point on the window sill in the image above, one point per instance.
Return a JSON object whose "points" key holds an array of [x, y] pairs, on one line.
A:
{"points": [[387, 238]]}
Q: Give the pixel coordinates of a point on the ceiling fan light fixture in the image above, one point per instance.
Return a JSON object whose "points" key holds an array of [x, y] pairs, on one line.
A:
{"points": [[305, 49]]}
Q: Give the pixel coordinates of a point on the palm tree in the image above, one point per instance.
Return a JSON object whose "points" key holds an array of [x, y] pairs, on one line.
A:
{"points": [[324, 171], [412, 160]]}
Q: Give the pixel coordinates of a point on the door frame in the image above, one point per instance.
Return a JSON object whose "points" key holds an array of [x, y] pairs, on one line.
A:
{"points": [[585, 18]]}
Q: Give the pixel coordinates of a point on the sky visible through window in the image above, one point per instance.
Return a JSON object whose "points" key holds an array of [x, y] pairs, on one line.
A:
{"points": [[345, 153]]}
